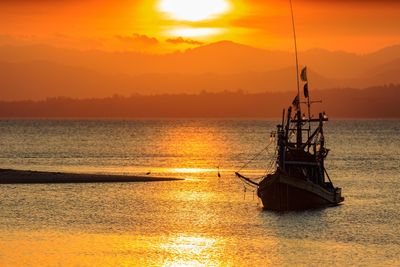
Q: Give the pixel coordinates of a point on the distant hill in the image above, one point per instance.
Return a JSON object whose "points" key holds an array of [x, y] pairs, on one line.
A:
{"points": [[40, 79], [222, 57], [385, 73], [36, 72], [374, 102], [347, 66]]}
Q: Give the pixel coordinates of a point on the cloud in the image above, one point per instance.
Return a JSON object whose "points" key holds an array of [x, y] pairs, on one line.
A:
{"points": [[17, 2], [180, 40], [138, 39], [7, 39]]}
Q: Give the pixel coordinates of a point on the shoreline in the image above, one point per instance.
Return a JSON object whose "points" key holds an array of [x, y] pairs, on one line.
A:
{"points": [[10, 176]]}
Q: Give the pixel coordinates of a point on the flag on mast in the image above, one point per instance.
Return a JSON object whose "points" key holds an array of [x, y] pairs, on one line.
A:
{"points": [[303, 74], [296, 102], [306, 90]]}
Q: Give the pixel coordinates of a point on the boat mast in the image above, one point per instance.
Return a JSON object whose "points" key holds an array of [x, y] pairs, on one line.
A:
{"points": [[296, 53], [299, 119]]}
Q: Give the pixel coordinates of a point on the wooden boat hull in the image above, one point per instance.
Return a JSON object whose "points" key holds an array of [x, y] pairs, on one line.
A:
{"points": [[280, 192]]}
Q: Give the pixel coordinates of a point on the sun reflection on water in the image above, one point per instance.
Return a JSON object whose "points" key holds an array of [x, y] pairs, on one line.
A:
{"points": [[185, 250], [50, 248], [192, 170], [198, 149]]}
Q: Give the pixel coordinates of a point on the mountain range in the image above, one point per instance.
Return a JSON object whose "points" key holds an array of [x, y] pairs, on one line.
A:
{"points": [[38, 72]]}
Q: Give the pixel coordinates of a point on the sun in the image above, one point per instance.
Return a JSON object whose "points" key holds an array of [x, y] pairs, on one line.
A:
{"points": [[193, 10]]}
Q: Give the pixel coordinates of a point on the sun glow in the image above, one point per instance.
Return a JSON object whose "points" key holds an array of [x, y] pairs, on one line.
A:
{"points": [[193, 10]]}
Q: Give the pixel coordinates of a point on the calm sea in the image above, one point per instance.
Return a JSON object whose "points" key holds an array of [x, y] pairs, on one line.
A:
{"points": [[203, 220]]}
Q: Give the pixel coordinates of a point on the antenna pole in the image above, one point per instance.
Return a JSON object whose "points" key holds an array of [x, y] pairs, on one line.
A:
{"points": [[309, 108], [295, 50]]}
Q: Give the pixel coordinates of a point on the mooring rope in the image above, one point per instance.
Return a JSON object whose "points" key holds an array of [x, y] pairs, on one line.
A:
{"points": [[256, 156]]}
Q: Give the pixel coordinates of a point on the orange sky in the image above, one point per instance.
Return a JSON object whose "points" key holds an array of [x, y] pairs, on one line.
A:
{"points": [[167, 25]]}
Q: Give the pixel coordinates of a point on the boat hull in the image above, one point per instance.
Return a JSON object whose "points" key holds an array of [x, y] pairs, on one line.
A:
{"points": [[280, 192]]}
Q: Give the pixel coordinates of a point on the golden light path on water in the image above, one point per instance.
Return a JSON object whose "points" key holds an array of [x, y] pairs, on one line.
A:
{"points": [[50, 248]]}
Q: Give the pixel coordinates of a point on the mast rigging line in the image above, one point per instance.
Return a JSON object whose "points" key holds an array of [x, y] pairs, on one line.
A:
{"points": [[256, 156]]}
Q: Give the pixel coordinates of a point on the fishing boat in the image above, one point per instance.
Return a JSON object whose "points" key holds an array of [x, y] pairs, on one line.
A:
{"points": [[299, 180]]}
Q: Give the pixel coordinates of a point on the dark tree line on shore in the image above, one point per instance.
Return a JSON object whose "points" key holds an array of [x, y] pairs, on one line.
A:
{"points": [[373, 102]]}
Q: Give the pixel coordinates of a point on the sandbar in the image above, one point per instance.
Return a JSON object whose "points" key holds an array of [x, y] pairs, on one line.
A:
{"points": [[9, 176]]}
